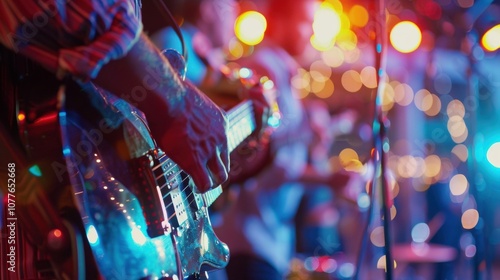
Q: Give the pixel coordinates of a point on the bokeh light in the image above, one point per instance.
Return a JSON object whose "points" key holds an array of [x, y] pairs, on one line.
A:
{"points": [[470, 218], [369, 77], [403, 94], [491, 39], [377, 236], [347, 156], [420, 232], [458, 184], [358, 15], [326, 26], [333, 57], [250, 27], [405, 36], [351, 81], [493, 155], [461, 152]]}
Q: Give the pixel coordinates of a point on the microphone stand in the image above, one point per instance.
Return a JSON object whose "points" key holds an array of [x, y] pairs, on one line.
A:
{"points": [[379, 128], [380, 144]]}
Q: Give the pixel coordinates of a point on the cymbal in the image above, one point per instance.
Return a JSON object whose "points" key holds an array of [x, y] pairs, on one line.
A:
{"points": [[423, 253]]}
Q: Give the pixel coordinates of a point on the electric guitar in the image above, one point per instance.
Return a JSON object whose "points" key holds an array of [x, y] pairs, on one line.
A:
{"points": [[141, 215]]}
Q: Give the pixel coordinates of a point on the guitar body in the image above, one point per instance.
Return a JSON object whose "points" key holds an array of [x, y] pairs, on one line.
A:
{"points": [[141, 216]]}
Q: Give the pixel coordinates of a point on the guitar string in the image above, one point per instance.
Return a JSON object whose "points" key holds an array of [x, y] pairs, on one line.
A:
{"points": [[235, 117], [173, 215], [240, 114], [176, 174]]}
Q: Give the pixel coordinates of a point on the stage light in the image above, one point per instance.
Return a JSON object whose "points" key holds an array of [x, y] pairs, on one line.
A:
{"points": [[491, 39], [250, 27], [405, 37]]}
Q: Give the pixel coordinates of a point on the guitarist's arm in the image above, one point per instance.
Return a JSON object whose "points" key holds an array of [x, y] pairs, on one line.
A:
{"points": [[176, 111], [104, 39]]}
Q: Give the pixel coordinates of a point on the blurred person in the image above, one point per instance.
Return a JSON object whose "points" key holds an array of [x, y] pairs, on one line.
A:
{"points": [[258, 222], [318, 216]]}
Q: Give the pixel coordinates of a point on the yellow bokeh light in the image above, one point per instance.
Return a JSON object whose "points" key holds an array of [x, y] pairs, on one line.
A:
{"points": [[326, 91], [326, 24], [235, 49], [322, 44], [337, 5], [302, 83], [491, 39], [347, 155], [435, 106], [347, 39], [381, 263], [21, 117], [470, 218], [250, 27], [394, 211], [369, 77], [333, 57], [358, 15], [405, 36], [320, 71], [432, 166], [388, 98], [317, 86], [351, 81]]}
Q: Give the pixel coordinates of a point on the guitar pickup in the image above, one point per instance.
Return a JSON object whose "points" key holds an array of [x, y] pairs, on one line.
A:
{"points": [[144, 187]]}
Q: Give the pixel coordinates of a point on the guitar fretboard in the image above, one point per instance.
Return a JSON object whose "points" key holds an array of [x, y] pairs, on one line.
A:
{"points": [[241, 125]]}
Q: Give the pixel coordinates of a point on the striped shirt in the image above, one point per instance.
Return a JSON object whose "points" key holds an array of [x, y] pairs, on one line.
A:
{"points": [[75, 36]]}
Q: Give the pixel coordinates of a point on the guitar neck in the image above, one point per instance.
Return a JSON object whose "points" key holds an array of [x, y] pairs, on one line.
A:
{"points": [[241, 124]]}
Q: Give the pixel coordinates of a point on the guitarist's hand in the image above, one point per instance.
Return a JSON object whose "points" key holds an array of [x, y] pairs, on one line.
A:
{"points": [[186, 124], [196, 140]]}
